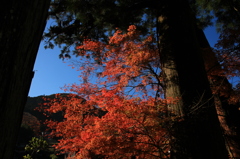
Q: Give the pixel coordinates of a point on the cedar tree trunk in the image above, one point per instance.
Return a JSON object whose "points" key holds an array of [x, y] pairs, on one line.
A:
{"points": [[228, 114], [21, 27], [198, 134]]}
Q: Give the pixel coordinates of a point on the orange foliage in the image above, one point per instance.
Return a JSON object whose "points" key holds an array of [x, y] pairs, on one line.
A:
{"points": [[113, 121], [121, 129], [127, 59]]}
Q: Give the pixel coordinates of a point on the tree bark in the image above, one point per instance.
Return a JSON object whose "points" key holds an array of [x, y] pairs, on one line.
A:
{"points": [[21, 29], [198, 135], [228, 114]]}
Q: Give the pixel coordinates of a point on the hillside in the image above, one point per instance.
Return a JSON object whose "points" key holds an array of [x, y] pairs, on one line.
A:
{"points": [[27, 128], [33, 102]]}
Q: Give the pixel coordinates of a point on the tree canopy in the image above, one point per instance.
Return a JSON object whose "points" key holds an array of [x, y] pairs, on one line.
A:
{"points": [[161, 69]]}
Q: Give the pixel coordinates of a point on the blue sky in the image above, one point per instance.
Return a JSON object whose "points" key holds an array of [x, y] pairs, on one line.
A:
{"points": [[51, 73]]}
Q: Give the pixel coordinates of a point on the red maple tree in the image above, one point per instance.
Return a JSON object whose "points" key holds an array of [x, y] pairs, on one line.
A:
{"points": [[116, 111]]}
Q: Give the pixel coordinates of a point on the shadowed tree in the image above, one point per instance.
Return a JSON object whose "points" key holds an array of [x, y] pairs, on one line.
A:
{"points": [[222, 63], [185, 78], [228, 112], [22, 25]]}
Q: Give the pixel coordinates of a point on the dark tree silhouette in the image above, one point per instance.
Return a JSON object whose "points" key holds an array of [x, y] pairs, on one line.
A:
{"points": [[21, 29]]}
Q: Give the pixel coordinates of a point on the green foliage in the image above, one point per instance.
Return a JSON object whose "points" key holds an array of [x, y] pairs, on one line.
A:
{"points": [[27, 156], [226, 12], [34, 146], [76, 20], [53, 156]]}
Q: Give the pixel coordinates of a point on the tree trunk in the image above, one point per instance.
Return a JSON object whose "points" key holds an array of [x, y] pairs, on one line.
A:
{"points": [[21, 29], [228, 114], [198, 135]]}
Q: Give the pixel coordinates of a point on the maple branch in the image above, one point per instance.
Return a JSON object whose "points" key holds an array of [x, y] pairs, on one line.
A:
{"points": [[154, 144], [149, 136], [157, 78], [197, 106]]}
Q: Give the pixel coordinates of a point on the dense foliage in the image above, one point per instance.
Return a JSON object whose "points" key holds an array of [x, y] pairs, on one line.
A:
{"points": [[123, 130]]}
